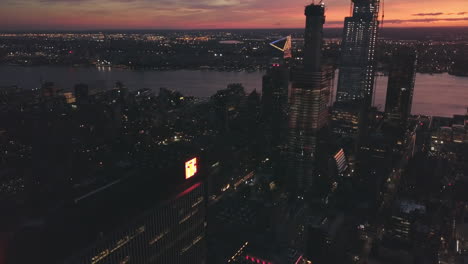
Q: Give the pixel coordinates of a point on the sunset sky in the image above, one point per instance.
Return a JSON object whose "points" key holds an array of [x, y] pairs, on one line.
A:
{"points": [[204, 14]]}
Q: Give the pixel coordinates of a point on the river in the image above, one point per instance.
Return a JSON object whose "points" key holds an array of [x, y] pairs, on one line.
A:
{"points": [[438, 94]]}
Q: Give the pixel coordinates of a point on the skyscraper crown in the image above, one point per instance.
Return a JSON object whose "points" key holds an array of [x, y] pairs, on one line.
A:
{"points": [[315, 10]]}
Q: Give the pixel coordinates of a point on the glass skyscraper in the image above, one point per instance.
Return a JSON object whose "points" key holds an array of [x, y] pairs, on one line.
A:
{"points": [[357, 70], [310, 94], [171, 232]]}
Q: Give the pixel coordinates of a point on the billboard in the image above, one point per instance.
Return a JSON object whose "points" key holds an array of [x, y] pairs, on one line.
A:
{"points": [[191, 168]]}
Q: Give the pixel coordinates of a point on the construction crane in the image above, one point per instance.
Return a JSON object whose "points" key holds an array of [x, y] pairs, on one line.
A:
{"points": [[383, 14]]}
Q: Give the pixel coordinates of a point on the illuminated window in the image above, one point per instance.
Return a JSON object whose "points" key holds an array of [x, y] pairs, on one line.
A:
{"points": [[190, 168]]}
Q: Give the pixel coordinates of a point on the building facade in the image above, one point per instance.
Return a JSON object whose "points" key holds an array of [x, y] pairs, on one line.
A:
{"points": [[400, 89], [357, 70], [275, 85], [172, 232], [345, 118], [309, 98]]}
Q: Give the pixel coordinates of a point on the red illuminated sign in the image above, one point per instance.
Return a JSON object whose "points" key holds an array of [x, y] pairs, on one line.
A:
{"points": [[256, 260], [190, 168]]}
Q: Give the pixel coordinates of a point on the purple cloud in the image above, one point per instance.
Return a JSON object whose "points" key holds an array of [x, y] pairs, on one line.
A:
{"points": [[425, 20], [428, 14]]}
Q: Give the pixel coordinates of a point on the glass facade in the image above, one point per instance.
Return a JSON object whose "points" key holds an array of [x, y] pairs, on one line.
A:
{"points": [[357, 70], [309, 101], [173, 232], [345, 119], [308, 114]]}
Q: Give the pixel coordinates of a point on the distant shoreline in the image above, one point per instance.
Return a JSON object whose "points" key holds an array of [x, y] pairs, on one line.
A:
{"points": [[200, 68], [125, 67]]}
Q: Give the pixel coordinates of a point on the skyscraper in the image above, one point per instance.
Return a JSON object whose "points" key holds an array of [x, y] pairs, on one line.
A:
{"points": [[144, 217], [82, 93], [356, 77], [400, 88], [275, 98], [172, 232], [310, 94]]}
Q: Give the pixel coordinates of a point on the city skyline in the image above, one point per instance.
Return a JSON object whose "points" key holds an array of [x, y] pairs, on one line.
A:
{"points": [[137, 145], [208, 14]]}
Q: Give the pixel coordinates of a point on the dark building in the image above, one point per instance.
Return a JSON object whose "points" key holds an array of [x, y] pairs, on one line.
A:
{"points": [[251, 112], [323, 231], [172, 232], [142, 217], [49, 89], [82, 93], [309, 100], [266, 253], [275, 99], [400, 88], [357, 70], [374, 162], [313, 37], [227, 106], [405, 232]]}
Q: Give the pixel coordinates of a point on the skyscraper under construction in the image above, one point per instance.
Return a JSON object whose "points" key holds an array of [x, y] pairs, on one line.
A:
{"points": [[310, 94], [357, 70]]}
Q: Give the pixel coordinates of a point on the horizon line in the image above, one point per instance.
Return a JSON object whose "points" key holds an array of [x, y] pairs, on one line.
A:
{"points": [[201, 29]]}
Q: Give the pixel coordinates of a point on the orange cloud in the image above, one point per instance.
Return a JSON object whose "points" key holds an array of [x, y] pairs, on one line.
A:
{"points": [[192, 14]]}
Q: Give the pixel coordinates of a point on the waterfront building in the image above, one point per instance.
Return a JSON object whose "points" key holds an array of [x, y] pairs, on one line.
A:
{"points": [[401, 79], [357, 70]]}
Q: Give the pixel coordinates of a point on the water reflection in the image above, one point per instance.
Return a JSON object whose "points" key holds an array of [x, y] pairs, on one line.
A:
{"points": [[438, 94]]}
